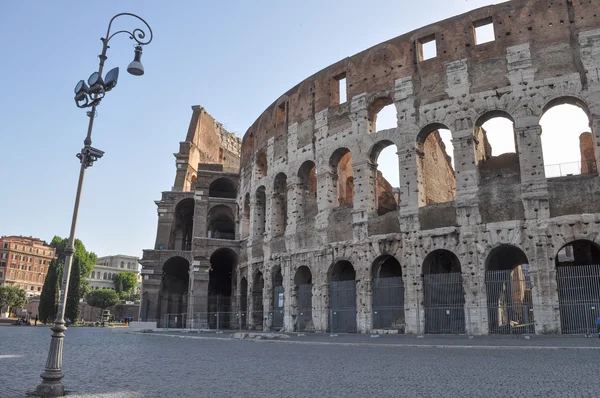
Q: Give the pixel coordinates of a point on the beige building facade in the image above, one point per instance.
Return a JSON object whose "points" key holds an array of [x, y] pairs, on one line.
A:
{"points": [[106, 269]]}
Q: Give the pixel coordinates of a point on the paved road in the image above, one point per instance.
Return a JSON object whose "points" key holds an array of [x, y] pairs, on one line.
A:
{"points": [[113, 363]]}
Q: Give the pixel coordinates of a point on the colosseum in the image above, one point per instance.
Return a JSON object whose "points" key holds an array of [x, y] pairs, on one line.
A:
{"points": [[295, 229]]}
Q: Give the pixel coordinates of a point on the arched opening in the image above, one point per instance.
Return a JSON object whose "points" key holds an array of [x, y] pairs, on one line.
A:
{"points": [[508, 286], [181, 231], [496, 145], [244, 303], [303, 297], [343, 176], [220, 223], [222, 188], [436, 178], [388, 294], [578, 284], [277, 304], [246, 217], [172, 308], [444, 296], [342, 297], [261, 165], [260, 211], [279, 221], [257, 300], [382, 115], [93, 274], [307, 204], [567, 141], [220, 285], [384, 155]]}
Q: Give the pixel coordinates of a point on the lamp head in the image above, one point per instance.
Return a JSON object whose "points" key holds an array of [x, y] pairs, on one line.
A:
{"points": [[110, 80], [95, 82], [135, 67]]}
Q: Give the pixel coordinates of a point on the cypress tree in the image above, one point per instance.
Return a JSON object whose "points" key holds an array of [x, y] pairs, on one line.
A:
{"points": [[73, 296], [49, 297]]}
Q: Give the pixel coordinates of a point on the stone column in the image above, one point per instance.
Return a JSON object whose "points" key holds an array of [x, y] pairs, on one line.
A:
{"points": [[198, 294], [268, 300], [473, 279], [534, 188], [365, 197], [320, 302], [409, 188], [595, 123], [250, 304], [326, 197], [414, 314], [289, 298], [467, 177]]}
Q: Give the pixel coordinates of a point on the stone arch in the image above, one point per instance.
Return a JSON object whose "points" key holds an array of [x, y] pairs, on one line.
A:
{"points": [[387, 196], [261, 165], [578, 284], [183, 224], [220, 223], [307, 204], [509, 291], [279, 205], [340, 164], [342, 297], [223, 263], [172, 308], [568, 149], [222, 188], [488, 161], [388, 293], [375, 107], [444, 296]]}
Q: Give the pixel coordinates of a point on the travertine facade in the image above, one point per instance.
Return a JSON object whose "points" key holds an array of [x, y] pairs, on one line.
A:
{"points": [[467, 246]]}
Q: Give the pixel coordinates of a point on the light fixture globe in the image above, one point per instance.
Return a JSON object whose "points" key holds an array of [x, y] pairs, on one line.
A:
{"points": [[135, 67]]}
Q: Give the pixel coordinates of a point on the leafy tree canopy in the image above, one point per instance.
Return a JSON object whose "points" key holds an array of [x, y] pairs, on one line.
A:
{"points": [[127, 280], [87, 260], [12, 296], [102, 298]]}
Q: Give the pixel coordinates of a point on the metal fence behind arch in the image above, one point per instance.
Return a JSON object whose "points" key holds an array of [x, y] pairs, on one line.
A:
{"points": [[388, 304], [509, 302], [444, 303], [578, 297]]}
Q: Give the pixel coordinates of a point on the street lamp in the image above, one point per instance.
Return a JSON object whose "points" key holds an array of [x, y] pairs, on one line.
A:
{"points": [[86, 95]]}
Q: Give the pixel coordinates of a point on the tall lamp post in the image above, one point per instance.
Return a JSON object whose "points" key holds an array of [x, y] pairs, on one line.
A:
{"points": [[86, 96]]}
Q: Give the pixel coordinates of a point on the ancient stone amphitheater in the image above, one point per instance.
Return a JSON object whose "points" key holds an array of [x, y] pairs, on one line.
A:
{"points": [[294, 229]]}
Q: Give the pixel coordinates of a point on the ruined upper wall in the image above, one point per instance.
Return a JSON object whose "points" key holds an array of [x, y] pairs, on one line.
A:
{"points": [[551, 29], [207, 142]]}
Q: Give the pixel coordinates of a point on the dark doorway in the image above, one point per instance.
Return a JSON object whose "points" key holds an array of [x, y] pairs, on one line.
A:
{"points": [[181, 230], [578, 285], [277, 305], [444, 296], [508, 286], [172, 307], [222, 265], [388, 294], [342, 298], [303, 291]]}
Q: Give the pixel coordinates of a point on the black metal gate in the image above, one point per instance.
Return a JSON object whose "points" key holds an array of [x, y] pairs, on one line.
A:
{"points": [[509, 301], [277, 307], [444, 303], [388, 303], [342, 306], [304, 320], [578, 298]]}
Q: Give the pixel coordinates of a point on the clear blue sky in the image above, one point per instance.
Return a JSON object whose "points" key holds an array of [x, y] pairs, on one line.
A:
{"points": [[232, 57]]}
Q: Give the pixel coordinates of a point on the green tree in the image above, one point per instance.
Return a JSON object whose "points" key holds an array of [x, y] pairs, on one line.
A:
{"points": [[12, 297], [102, 298], [81, 268], [127, 280], [50, 291], [118, 285]]}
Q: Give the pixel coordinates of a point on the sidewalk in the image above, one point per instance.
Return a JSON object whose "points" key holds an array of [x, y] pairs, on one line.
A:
{"points": [[439, 341]]}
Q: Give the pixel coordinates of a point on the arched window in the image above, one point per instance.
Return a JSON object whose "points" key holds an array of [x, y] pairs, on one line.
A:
{"points": [[221, 223], [387, 179], [382, 115], [341, 166], [567, 142], [122, 264], [222, 188], [181, 230], [261, 165], [104, 276], [436, 178], [93, 275], [279, 220], [260, 213]]}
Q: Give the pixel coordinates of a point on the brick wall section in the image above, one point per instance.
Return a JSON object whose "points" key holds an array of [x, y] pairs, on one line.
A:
{"points": [[206, 142], [588, 157], [440, 182]]}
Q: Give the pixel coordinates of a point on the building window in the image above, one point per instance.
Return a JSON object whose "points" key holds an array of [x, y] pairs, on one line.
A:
{"points": [[31, 288], [122, 264], [39, 289], [104, 276], [3, 264], [427, 48], [6, 245], [14, 257], [3, 255]]}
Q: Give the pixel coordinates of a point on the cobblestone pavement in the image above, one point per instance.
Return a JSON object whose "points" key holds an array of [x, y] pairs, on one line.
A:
{"points": [[114, 363]]}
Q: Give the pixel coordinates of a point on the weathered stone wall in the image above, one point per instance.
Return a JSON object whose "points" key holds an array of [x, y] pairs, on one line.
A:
{"points": [[544, 53]]}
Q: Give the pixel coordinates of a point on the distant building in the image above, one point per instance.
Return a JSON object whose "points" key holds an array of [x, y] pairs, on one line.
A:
{"points": [[24, 262], [106, 269]]}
